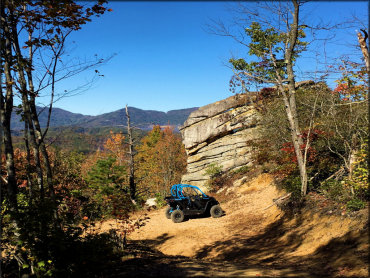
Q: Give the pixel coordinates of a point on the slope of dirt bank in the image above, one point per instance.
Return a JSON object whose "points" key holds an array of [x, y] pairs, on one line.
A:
{"points": [[256, 239]]}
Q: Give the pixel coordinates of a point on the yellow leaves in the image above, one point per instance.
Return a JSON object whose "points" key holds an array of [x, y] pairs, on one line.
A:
{"points": [[115, 145], [360, 176], [161, 159]]}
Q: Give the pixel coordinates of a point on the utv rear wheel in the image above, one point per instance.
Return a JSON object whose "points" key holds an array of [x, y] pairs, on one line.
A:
{"points": [[168, 213], [177, 216], [216, 211]]}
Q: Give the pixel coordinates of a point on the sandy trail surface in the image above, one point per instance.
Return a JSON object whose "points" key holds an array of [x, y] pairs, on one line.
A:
{"points": [[253, 239], [244, 215]]}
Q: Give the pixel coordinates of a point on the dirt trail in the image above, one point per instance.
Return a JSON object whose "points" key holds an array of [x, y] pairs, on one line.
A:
{"points": [[253, 239], [243, 216]]}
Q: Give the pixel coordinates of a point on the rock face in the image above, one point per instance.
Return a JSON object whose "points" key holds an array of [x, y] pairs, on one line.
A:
{"points": [[218, 133]]}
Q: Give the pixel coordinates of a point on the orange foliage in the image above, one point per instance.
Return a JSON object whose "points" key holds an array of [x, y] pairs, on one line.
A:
{"points": [[115, 145], [161, 160], [353, 84]]}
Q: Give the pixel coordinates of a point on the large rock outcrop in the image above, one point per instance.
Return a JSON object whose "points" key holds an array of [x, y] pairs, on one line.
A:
{"points": [[217, 134]]}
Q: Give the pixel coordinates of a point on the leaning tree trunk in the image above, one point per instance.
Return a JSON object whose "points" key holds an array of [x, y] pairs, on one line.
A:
{"points": [[289, 96], [292, 111]]}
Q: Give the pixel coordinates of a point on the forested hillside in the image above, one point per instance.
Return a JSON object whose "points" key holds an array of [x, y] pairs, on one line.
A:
{"points": [[143, 119], [79, 139]]}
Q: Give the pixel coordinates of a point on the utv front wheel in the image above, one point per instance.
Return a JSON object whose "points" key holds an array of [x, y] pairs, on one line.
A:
{"points": [[177, 216], [216, 211], [168, 213]]}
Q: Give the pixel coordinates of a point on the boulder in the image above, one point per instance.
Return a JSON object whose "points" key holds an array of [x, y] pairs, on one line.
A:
{"points": [[218, 134], [151, 202]]}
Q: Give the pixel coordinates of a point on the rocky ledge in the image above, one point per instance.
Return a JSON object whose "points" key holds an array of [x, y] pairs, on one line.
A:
{"points": [[218, 134]]}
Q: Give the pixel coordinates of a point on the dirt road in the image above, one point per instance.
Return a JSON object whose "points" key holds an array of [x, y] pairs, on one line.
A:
{"points": [[252, 240], [244, 215]]}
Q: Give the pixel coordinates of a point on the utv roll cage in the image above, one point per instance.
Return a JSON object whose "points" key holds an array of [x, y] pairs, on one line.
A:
{"points": [[184, 191]]}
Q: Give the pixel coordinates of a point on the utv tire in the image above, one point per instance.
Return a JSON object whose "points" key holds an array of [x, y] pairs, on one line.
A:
{"points": [[168, 213], [177, 216], [216, 211]]}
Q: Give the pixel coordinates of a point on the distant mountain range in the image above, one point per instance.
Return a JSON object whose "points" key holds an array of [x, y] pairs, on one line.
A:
{"points": [[143, 119]]}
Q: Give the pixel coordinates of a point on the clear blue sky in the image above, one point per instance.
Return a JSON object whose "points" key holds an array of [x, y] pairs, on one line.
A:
{"points": [[165, 60]]}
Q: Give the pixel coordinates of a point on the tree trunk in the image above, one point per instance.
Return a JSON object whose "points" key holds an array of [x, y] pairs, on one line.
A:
{"points": [[6, 112], [364, 49], [40, 142], [28, 157], [290, 100], [40, 137], [26, 105], [131, 158], [35, 146]]}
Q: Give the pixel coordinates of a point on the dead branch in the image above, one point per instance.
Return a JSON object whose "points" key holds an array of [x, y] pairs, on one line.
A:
{"points": [[337, 175], [279, 201], [4, 180]]}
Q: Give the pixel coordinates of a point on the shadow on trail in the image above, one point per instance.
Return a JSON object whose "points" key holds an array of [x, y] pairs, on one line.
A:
{"points": [[268, 250], [263, 255], [239, 248], [200, 216], [158, 241]]}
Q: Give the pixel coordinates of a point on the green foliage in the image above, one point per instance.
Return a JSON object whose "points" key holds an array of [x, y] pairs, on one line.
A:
{"points": [[109, 193], [292, 183], [330, 139], [153, 137], [266, 43], [242, 170], [160, 162], [359, 180], [355, 204], [334, 190], [160, 199], [213, 170], [23, 200], [216, 179], [262, 40], [106, 177], [51, 250]]}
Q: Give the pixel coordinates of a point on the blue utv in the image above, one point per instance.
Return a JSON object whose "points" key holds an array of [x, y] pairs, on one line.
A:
{"points": [[189, 200]]}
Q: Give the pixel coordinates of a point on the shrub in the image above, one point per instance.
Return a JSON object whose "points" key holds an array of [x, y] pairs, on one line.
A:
{"points": [[359, 181], [355, 204], [292, 184], [242, 170], [160, 199], [334, 190], [214, 170]]}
